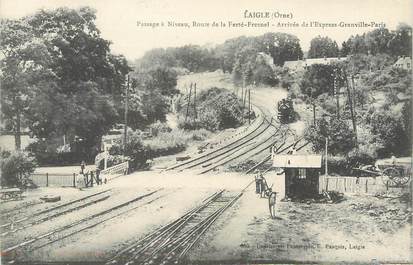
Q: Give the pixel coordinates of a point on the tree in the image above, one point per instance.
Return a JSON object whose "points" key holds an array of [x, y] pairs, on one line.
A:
{"points": [[191, 57], [394, 43], [236, 53], [318, 79], [16, 168], [345, 49], [228, 52], [263, 74], [163, 80], [149, 96], [401, 42], [389, 133], [323, 47], [25, 62], [281, 46], [377, 41], [154, 106], [68, 78], [340, 136]]}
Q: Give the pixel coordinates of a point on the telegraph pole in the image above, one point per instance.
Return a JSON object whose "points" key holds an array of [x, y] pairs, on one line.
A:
{"points": [[188, 103], [125, 134], [326, 158], [242, 93], [249, 106], [353, 118], [314, 112], [195, 113], [245, 97], [354, 93], [337, 91], [313, 103]]}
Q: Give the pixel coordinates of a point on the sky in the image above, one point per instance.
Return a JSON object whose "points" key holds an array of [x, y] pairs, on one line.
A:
{"points": [[117, 19]]}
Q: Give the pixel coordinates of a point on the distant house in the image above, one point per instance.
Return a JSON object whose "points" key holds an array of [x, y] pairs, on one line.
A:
{"points": [[267, 59], [404, 62], [303, 64]]}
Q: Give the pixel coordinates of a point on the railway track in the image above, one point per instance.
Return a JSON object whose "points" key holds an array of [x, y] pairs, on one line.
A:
{"points": [[83, 224], [245, 145], [260, 123], [246, 152], [7, 213], [51, 215], [170, 243], [258, 136], [57, 210]]}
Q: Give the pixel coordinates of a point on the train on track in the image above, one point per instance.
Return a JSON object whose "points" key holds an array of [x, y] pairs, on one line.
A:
{"points": [[285, 110]]}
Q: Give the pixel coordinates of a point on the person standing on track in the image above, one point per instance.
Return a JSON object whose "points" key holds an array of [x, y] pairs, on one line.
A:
{"points": [[272, 198]]}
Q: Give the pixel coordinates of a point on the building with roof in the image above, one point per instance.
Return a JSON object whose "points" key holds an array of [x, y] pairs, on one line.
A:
{"points": [[301, 173], [303, 64], [267, 59], [404, 63]]}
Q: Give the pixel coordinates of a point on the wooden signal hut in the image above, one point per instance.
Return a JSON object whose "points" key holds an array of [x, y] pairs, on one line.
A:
{"points": [[301, 174]]}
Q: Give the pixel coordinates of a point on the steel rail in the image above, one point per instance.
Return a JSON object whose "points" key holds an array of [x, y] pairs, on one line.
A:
{"points": [[174, 239], [47, 218], [263, 120], [30, 241], [217, 150], [160, 232], [235, 157], [236, 148], [54, 208]]}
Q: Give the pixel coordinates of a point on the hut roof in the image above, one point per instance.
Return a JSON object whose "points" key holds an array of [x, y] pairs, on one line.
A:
{"points": [[297, 161]]}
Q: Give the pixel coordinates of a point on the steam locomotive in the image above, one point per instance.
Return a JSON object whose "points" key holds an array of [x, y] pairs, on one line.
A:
{"points": [[285, 110]]}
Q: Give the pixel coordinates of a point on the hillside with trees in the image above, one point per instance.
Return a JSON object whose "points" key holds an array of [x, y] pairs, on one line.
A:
{"points": [[362, 104]]}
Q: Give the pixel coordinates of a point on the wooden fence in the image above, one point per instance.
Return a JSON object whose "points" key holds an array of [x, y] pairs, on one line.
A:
{"points": [[369, 185], [56, 180]]}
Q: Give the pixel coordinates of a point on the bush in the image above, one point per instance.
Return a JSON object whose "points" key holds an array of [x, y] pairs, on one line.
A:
{"points": [[159, 127], [138, 151], [189, 124], [46, 155], [343, 165], [355, 158], [135, 151], [200, 135], [112, 160], [336, 165], [218, 109], [167, 143], [16, 168]]}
